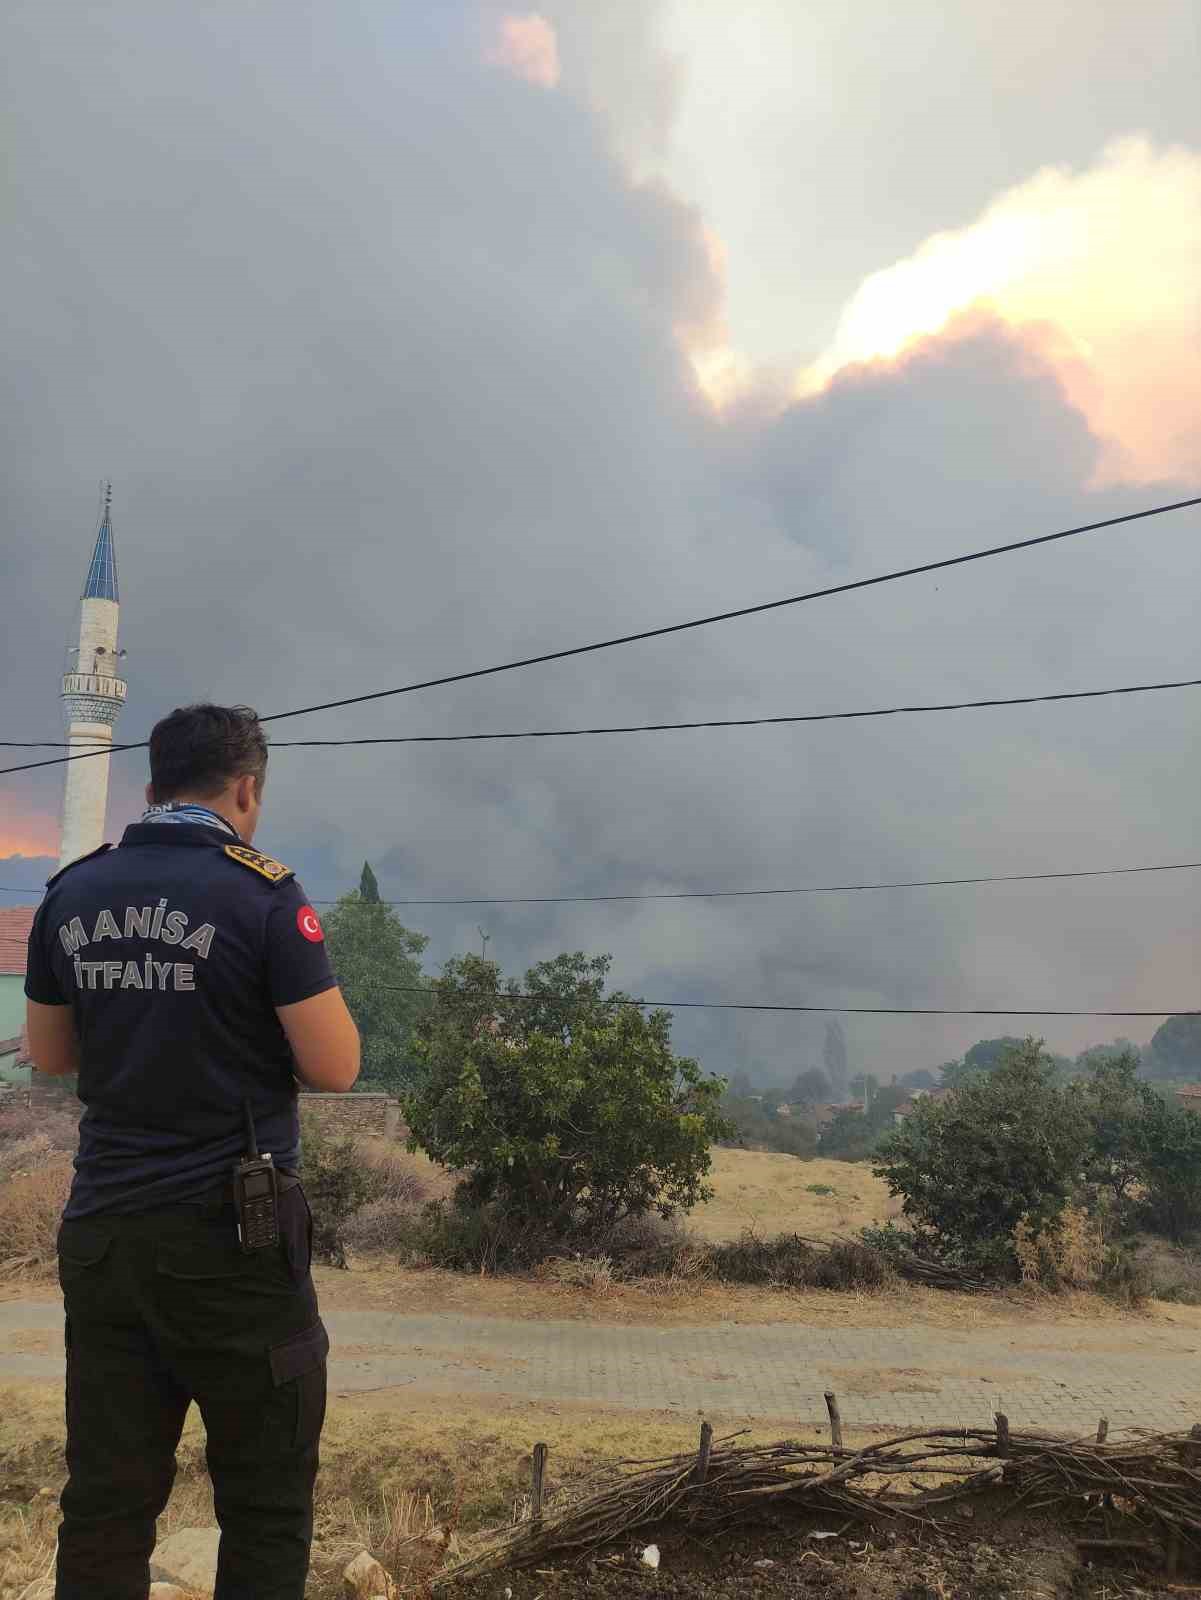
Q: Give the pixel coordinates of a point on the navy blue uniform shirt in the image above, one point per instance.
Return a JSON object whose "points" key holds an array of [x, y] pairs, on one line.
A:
{"points": [[173, 953]]}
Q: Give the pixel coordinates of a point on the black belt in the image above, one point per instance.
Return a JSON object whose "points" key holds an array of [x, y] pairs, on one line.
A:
{"points": [[224, 1193]]}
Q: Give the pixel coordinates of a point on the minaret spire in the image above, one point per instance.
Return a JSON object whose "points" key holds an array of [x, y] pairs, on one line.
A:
{"points": [[93, 694]]}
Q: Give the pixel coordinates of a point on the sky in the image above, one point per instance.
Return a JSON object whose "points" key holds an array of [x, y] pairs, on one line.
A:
{"points": [[416, 338]]}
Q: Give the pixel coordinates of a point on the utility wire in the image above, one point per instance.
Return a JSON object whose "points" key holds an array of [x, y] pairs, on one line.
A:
{"points": [[824, 888], [733, 894], [723, 722], [854, 1011], [678, 627]]}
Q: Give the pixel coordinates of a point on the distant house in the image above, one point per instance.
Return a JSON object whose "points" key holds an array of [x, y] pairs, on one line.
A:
{"points": [[906, 1106], [823, 1116], [15, 923], [1189, 1097]]}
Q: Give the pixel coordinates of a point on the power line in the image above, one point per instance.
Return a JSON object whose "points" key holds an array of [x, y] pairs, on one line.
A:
{"points": [[824, 888], [853, 1011], [723, 722], [733, 894], [678, 627]]}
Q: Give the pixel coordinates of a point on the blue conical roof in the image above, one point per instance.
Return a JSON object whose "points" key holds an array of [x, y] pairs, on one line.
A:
{"points": [[102, 574]]}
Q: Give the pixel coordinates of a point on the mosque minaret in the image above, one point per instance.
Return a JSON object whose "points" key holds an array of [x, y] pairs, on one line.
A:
{"points": [[93, 694]]}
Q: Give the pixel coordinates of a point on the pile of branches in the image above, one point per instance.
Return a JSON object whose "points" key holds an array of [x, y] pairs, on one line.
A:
{"points": [[915, 1268], [1157, 1477]]}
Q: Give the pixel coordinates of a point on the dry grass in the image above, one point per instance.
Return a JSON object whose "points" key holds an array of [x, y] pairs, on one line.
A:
{"points": [[394, 1468], [773, 1193], [27, 1545], [759, 1189], [593, 1274], [31, 1205]]}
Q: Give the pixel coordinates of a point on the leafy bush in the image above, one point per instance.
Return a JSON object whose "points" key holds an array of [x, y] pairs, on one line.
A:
{"points": [[462, 1237], [1170, 1171], [565, 1107], [1120, 1111], [754, 1128], [1006, 1146]]}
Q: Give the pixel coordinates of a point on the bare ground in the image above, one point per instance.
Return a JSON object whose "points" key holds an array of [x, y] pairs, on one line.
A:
{"points": [[473, 1462]]}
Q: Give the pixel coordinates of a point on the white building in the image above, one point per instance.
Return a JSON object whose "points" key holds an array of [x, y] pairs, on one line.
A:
{"points": [[93, 694]]}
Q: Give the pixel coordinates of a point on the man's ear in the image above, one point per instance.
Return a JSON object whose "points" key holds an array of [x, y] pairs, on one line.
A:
{"points": [[246, 792], [149, 794]]}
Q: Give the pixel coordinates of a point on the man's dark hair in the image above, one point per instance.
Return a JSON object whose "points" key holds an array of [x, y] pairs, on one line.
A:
{"points": [[198, 750]]}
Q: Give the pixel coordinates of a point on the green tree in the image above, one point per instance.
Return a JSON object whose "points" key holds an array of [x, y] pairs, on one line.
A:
{"points": [[1175, 1049], [834, 1056], [377, 960], [567, 1109], [810, 1088], [920, 1078], [1171, 1173], [853, 1135], [1119, 1110], [368, 887], [1006, 1145]]}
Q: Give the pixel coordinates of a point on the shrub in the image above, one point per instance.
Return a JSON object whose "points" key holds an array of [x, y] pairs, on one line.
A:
{"points": [[31, 1207], [790, 1262], [595, 1274], [463, 1237], [1171, 1171], [377, 1227], [339, 1180], [1068, 1252], [567, 1109], [1006, 1146]]}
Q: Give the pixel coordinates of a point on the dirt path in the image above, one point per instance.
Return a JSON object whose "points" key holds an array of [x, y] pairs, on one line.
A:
{"points": [[1056, 1375]]}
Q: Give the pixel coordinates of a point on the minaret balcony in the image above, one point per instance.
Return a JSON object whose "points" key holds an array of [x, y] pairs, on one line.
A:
{"points": [[97, 683], [93, 697]]}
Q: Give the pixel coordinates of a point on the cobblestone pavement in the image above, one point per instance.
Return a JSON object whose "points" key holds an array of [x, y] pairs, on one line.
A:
{"points": [[1060, 1375]]}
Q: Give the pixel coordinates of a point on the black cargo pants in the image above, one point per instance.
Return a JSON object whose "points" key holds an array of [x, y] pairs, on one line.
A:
{"points": [[164, 1308]]}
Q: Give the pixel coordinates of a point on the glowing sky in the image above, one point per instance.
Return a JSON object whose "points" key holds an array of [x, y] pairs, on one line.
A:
{"points": [[1098, 265]]}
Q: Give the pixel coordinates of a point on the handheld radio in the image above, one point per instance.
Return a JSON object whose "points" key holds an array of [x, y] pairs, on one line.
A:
{"points": [[256, 1194]]}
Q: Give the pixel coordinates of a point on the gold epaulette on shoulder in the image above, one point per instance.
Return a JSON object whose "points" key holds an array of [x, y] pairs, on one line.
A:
{"points": [[273, 871]]}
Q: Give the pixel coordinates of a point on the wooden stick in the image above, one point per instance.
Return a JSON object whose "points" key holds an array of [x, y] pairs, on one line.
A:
{"points": [[702, 1459], [1103, 1430], [537, 1478], [835, 1419], [1002, 1422]]}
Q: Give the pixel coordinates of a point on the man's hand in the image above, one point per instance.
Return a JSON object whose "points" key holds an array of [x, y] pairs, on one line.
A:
{"points": [[52, 1040]]}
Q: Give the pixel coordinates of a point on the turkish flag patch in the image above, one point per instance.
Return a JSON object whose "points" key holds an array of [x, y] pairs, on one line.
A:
{"points": [[309, 924]]}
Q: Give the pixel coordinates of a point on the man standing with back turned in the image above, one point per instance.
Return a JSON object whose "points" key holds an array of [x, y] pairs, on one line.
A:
{"points": [[185, 977]]}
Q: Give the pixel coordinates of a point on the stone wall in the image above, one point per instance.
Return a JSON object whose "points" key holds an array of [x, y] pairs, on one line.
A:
{"points": [[339, 1114]]}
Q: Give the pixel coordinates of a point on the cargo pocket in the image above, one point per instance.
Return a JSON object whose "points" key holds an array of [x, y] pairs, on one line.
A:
{"points": [[300, 1363], [82, 1246]]}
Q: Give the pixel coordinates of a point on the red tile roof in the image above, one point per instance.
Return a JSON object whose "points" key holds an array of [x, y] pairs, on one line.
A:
{"points": [[15, 923], [1190, 1091]]}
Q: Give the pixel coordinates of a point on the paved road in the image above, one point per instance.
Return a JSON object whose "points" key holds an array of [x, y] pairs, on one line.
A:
{"points": [[1059, 1375]]}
